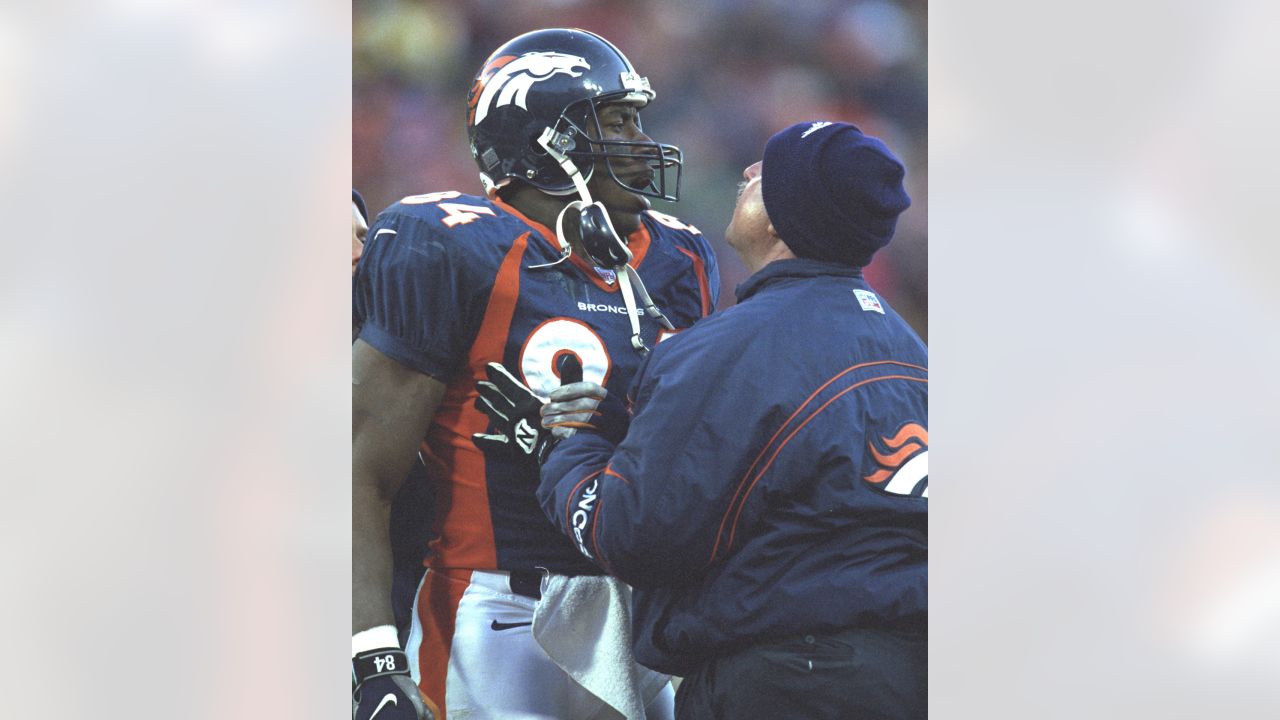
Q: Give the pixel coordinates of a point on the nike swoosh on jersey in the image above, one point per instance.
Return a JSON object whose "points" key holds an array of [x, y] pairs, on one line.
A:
{"points": [[495, 625], [385, 698]]}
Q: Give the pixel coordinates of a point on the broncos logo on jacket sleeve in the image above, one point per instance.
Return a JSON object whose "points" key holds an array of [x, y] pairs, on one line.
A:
{"points": [[903, 461]]}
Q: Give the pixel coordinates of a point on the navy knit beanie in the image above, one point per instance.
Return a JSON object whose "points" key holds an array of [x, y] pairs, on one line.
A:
{"points": [[831, 192], [359, 201]]}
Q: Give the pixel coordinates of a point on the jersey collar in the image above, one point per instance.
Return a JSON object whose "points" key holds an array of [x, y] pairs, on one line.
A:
{"points": [[637, 242]]}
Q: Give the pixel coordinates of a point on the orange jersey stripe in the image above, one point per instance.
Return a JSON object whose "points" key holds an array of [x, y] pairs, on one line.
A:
{"points": [[700, 269], [547, 234], [465, 537], [437, 613], [637, 242]]}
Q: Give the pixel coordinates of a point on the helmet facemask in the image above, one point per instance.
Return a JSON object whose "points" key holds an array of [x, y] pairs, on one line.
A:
{"points": [[580, 123]]}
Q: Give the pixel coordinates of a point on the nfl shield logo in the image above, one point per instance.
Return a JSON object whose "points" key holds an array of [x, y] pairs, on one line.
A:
{"points": [[869, 301]]}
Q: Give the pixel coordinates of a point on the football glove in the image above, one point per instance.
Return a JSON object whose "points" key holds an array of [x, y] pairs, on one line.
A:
{"points": [[514, 412], [517, 413], [384, 690]]}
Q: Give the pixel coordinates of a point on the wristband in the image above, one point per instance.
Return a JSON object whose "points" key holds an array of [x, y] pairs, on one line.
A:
{"points": [[375, 638], [387, 661]]}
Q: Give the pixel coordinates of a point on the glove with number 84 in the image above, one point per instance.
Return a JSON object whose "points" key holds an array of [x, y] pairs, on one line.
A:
{"points": [[384, 689]]}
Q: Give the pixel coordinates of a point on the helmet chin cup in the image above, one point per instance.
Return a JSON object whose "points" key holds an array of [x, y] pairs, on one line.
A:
{"points": [[599, 238]]}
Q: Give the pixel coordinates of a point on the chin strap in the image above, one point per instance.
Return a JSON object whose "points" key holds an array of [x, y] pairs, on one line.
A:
{"points": [[595, 219], [626, 276], [565, 249]]}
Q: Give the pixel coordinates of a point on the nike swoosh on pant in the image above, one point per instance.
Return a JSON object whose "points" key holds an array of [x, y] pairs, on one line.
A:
{"points": [[495, 625]]}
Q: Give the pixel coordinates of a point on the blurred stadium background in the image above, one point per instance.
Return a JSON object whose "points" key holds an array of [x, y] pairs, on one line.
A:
{"points": [[728, 74]]}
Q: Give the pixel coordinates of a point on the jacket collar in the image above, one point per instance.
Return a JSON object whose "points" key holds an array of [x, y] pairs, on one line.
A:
{"points": [[788, 269]]}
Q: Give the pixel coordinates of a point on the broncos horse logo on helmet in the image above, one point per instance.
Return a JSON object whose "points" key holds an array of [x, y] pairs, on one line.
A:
{"points": [[551, 81], [507, 79]]}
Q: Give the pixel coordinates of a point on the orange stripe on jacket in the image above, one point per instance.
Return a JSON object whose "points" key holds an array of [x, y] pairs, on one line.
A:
{"points": [[733, 528], [715, 549], [438, 600], [465, 527], [595, 539]]}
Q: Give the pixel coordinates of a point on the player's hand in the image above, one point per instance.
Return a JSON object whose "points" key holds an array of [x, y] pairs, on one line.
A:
{"points": [[384, 690], [515, 414]]}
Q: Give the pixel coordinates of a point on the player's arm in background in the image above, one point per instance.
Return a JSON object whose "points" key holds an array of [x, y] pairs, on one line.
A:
{"points": [[391, 408], [420, 297]]}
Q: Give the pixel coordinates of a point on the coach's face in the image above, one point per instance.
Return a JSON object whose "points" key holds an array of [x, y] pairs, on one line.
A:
{"points": [[750, 233]]}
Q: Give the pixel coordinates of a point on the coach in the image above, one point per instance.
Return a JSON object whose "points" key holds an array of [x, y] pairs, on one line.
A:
{"points": [[768, 499]]}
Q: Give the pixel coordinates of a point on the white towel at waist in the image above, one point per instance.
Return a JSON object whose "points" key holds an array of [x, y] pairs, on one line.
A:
{"points": [[584, 625]]}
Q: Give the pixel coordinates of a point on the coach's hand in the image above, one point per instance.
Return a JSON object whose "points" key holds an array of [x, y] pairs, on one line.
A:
{"points": [[384, 690], [585, 406]]}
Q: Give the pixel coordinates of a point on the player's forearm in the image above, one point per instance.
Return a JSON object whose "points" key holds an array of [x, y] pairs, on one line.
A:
{"points": [[371, 563]]}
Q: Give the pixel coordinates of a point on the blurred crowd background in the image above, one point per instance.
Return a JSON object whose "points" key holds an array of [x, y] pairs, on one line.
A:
{"points": [[728, 74], [1105, 537]]}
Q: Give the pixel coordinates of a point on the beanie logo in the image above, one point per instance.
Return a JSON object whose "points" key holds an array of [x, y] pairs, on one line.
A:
{"points": [[868, 301], [814, 128]]}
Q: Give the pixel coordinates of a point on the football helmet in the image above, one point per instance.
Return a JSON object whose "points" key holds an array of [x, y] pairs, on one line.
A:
{"points": [[542, 88]]}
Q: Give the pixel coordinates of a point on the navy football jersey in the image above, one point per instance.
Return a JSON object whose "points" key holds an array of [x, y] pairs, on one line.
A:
{"points": [[447, 284]]}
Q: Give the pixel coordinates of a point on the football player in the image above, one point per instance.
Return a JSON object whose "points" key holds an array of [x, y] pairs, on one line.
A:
{"points": [[546, 264]]}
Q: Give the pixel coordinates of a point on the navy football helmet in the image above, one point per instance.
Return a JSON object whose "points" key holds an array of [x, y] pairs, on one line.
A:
{"points": [[544, 87]]}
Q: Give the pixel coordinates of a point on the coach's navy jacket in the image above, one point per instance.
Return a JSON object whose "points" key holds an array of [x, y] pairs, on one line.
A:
{"points": [[774, 479]]}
